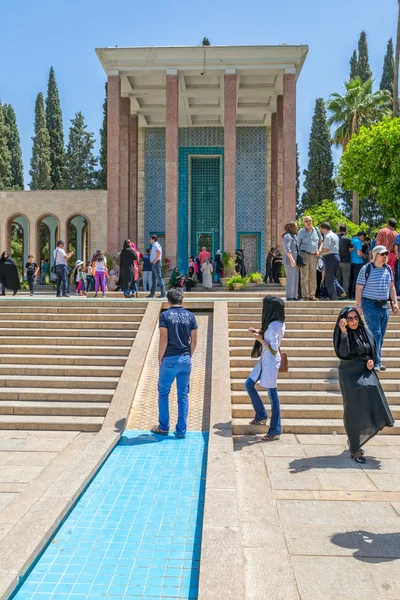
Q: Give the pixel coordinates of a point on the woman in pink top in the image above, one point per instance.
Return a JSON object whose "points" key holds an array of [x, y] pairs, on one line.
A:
{"points": [[135, 287]]}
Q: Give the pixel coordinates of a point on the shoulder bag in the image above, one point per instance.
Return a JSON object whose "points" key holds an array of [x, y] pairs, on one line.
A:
{"points": [[53, 268]]}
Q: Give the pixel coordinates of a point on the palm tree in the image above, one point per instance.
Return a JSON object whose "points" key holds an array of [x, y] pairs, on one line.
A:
{"points": [[396, 69], [359, 107]]}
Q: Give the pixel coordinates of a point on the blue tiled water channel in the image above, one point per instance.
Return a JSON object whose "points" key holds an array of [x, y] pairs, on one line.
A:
{"points": [[136, 531]]}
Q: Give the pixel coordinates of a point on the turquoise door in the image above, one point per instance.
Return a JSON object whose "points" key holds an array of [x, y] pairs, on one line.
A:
{"points": [[205, 204]]}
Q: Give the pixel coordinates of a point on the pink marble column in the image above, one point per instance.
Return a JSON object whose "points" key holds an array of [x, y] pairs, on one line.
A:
{"points": [[274, 180], [280, 221], [230, 162], [171, 170], [124, 170], [133, 178], [289, 146], [113, 162]]}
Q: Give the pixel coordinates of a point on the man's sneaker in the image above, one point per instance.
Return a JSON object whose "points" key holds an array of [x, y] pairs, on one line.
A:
{"points": [[383, 368], [66, 296], [94, 295], [162, 296], [31, 293], [180, 437], [150, 296], [378, 369]]}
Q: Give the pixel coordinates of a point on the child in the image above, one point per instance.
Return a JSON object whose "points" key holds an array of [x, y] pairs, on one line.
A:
{"points": [[81, 280], [99, 262], [31, 270]]}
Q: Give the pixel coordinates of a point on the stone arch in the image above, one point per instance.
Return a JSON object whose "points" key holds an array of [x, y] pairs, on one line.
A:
{"points": [[18, 227], [78, 240], [51, 223]]}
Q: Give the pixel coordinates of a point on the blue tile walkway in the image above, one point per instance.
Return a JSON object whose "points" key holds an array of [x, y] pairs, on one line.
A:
{"points": [[136, 531]]}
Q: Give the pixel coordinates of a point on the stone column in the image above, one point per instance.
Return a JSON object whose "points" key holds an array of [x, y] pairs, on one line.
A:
{"points": [[274, 180], [230, 160], [289, 146], [113, 161], [133, 179], [142, 242], [79, 224], [268, 223], [171, 170], [280, 206], [125, 108]]}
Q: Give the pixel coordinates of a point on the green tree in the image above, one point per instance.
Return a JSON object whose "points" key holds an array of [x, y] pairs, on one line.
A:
{"points": [[318, 183], [5, 156], [297, 174], [364, 70], [371, 164], [40, 170], [205, 42], [396, 68], [56, 133], [14, 146], [102, 175], [359, 107], [354, 65], [81, 162], [388, 69], [330, 211]]}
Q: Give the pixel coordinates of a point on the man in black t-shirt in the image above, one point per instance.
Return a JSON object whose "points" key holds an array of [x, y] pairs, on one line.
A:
{"points": [[345, 247], [178, 340], [31, 270]]}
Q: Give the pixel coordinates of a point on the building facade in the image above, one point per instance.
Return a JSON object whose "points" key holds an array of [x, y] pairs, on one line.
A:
{"points": [[201, 147]]}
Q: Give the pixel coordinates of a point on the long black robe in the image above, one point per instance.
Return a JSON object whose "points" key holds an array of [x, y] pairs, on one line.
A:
{"points": [[126, 271], [9, 273], [366, 410]]}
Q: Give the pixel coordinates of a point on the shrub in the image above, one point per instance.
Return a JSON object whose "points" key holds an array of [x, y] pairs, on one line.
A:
{"points": [[254, 277], [236, 279], [228, 262]]}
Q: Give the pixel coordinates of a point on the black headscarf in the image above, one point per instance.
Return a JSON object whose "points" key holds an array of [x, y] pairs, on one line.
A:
{"points": [[273, 310], [8, 260], [358, 338]]}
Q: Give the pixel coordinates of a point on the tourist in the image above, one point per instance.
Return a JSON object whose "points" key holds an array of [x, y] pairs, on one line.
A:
{"points": [[126, 268], [145, 270], [291, 251], [310, 246], [135, 282], [345, 248], [100, 263], [218, 265], [191, 279], [81, 279], [43, 272], [269, 277], [112, 283], [396, 251], [31, 270], [176, 279], [203, 255], [9, 277], [266, 348], [207, 271], [366, 411], [243, 271], [61, 263], [386, 237], [178, 340], [276, 266], [156, 265], [89, 277], [357, 261], [239, 261], [330, 252], [374, 287], [193, 263]]}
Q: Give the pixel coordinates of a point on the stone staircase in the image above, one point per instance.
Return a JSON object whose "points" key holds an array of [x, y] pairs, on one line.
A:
{"points": [[309, 394], [61, 360]]}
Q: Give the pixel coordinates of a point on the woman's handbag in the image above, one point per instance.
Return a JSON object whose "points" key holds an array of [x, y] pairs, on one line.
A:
{"points": [[284, 368], [300, 262]]}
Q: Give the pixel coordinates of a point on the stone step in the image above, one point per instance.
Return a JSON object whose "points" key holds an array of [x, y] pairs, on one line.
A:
{"points": [[73, 317], [304, 351], [309, 334], [300, 305], [61, 359], [306, 323], [63, 409], [46, 381], [254, 309], [68, 341], [51, 423], [39, 394], [321, 385], [33, 333], [86, 351], [307, 362], [72, 303], [327, 426], [57, 371], [315, 373], [301, 411], [70, 310], [61, 324]]}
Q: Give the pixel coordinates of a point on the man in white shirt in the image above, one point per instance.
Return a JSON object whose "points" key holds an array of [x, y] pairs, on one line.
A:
{"points": [[60, 261], [156, 265]]}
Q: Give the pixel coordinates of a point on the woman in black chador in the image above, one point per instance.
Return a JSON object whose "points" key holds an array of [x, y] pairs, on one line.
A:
{"points": [[366, 410], [9, 277]]}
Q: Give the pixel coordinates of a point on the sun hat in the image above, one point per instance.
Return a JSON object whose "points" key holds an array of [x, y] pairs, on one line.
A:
{"points": [[379, 250], [78, 263]]}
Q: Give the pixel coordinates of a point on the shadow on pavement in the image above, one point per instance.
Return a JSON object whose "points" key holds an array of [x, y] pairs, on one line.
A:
{"points": [[370, 547]]}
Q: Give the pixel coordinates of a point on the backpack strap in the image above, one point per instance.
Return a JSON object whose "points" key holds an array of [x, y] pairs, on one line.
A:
{"points": [[369, 267]]}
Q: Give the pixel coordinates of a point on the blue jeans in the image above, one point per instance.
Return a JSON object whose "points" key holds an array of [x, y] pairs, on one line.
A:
{"points": [[62, 278], [261, 413], [157, 277], [377, 320], [398, 278], [174, 367]]}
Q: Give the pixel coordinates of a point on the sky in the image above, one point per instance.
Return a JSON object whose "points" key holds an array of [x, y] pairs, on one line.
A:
{"points": [[36, 35]]}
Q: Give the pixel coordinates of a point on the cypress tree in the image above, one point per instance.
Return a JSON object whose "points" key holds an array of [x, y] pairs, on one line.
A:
{"points": [[14, 146], [55, 129], [80, 160], [318, 183], [297, 174], [388, 69], [5, 156], [102, 175], [40, 171], [354, 65], [364, 70]]}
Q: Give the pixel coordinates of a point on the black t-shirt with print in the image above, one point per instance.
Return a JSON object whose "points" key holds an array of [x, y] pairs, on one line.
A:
{"points": [[30, 268]]}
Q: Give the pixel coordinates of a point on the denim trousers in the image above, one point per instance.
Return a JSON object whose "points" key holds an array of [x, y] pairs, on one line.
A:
{"points": [[62, 278], [31, 282], [174, 367], [332, 262], [377, 320], [261, 413], [147, 277], [157, 277]]}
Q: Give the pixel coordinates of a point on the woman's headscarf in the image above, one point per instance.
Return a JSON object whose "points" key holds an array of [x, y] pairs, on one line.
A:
{"points": [[191, 271], [6, 260], [358, 338], [218, 252], [273, 310]]}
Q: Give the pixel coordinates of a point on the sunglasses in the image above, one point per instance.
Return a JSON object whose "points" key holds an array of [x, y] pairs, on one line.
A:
{"points": [[350, 319], [384, 253], [307, 221]]}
